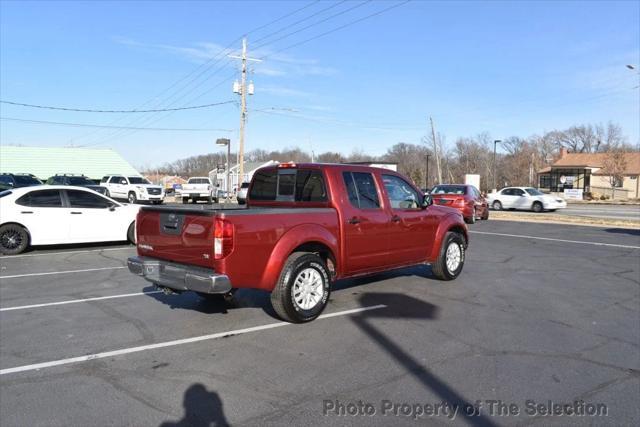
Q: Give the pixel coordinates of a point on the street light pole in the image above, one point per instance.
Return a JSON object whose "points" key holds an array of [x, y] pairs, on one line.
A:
{"points": [[495, 143], [227, 142], [426, 177]]}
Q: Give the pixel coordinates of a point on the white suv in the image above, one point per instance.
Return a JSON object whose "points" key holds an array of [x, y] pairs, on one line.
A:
{"points": [[132, 188]]}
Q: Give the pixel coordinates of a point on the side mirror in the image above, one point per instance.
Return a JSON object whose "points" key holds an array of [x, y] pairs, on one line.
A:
{"points": [[427, 201]]}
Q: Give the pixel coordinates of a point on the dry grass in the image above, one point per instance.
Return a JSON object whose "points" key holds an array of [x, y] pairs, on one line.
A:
{"points": [[551, 218]]}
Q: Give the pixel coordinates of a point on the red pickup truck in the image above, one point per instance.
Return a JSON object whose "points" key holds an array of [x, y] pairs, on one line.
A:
{"points": [[305, 226]]}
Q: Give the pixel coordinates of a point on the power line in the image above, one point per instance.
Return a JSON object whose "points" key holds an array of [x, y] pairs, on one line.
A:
{"points": [[341, 27], [44, 122], [47, 107], [342, 12], [195, 77]]}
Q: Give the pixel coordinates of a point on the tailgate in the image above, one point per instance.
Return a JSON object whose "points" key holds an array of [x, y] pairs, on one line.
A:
{"points": [[178, 235]]}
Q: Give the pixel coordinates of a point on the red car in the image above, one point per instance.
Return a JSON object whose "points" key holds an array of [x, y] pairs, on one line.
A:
{"points": [[305, 226], [466, 198]]}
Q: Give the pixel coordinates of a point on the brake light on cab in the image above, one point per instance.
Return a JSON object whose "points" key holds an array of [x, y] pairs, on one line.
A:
{"points": [[222, 238]]}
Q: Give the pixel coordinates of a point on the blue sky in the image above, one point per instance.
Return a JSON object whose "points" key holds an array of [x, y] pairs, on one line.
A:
{"points": [[507, 68]]}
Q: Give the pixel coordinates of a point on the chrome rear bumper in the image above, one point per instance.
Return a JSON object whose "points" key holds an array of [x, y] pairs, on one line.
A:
{"points": [[179, 277]]}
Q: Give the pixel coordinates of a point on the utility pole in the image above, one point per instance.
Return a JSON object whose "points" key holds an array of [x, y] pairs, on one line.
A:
{"points": [[435, 151], [242, 90]]}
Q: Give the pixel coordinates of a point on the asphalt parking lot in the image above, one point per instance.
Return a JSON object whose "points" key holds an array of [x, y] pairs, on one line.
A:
{"points": [[540, 313]]}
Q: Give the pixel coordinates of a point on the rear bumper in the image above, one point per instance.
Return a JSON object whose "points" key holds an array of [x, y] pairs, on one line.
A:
{"points": [[179, 277]]}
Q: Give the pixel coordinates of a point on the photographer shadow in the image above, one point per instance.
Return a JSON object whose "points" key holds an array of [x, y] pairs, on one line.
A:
{"points": [[202, 408]]}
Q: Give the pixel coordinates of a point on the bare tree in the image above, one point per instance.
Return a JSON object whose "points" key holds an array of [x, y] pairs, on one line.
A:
{"points": [[614, 167]]}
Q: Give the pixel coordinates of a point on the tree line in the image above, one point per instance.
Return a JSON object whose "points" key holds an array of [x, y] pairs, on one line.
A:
{"points": [[517, 159]]}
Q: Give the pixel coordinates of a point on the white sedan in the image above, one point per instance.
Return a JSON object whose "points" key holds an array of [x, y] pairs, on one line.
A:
{"points": [[61, 214], [526, 198]]}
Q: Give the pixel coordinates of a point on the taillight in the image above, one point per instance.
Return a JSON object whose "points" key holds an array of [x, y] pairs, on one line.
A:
{"points": [[459, 202], [222, 238]]}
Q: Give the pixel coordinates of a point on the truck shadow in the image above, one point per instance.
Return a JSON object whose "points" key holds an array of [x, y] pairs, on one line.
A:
{"points": [[400, 306], [254, 298], [201, 408]]}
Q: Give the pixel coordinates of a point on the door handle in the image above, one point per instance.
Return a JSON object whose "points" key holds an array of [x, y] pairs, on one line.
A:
{"points": [[395, 218], [26, 212], [76, 213], [354, 220]]}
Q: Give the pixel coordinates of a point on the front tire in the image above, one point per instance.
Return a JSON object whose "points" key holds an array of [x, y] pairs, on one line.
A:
{"points": [[106, 193], [303, 288], [14, 239], [497, 206], [537, 207], [132, 198], [185, 200], [450, 261]]}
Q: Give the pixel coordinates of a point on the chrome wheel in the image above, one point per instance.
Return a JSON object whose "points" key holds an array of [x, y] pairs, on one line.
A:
{"points": [[308, 288], [453, 257]]}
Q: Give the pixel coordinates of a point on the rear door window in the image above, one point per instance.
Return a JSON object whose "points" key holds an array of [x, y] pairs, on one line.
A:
{"points": [[86, 199], [41, 199]]}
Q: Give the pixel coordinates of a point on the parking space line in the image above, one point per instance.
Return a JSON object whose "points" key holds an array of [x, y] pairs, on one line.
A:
{"points": [[65, 252], [61, 272], [173, 343], [556, 240], [73, 301]]}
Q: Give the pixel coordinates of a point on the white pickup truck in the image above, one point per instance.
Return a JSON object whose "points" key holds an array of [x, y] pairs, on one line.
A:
{"points": [[198, 188]]}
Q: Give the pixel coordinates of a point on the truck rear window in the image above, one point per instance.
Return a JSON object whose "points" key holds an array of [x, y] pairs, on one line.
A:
{"points": [[301, 185]]}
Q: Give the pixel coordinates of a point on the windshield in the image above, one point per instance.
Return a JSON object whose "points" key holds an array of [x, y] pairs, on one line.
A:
{"points": [[26, 180], [198, 181], [79, 180], [138, 180], [534, 192], [449, 189]]}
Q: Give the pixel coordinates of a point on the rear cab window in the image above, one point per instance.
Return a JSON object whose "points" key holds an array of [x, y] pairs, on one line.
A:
{"points": [[288, 185]]}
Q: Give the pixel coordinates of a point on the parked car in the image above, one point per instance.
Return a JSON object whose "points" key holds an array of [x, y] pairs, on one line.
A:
{"points": [[76, 180], [305, 226], [198, 188], [61, 214], [466, 198], [132, 188], [242, 193], [526, 198], [17, 180]]}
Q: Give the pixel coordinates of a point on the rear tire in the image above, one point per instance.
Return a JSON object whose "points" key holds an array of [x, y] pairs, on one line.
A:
{"points": [[131, 233], [472, 218], [185, 200], [485, 215], [497, 206], [450, 261], [14, 239], [303, 288], [537, 207]]}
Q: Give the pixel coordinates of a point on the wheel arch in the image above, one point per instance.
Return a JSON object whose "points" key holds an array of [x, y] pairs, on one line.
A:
{"points": [[451, 223], [302, 238]]}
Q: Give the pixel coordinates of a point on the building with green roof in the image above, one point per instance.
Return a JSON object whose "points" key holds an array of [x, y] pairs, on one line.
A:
{"points": [[45, 162]]}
